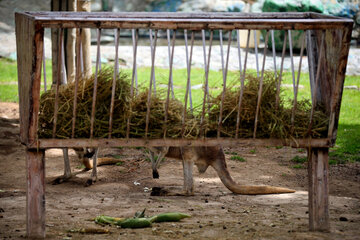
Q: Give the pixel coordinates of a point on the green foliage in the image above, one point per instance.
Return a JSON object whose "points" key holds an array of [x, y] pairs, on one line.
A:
{"points": [[298, 159], [119, 163], [237, 158], [298, 166], [253, 151]]}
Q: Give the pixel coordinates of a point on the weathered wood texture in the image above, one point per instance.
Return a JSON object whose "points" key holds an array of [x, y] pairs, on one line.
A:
{"points": [[29, 43], [190, 21], [318, 171], [225, 142], [35, 193], [328, 91]]}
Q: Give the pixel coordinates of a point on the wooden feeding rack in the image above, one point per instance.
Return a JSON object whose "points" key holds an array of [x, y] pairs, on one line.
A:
{"points": [[325, 38]]}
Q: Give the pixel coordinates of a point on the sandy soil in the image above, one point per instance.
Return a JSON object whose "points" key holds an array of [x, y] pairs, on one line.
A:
{"points": [[216, 212]]}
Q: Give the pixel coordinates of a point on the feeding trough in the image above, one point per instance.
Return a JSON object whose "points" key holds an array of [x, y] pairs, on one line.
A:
{"points": [[109, 109]]}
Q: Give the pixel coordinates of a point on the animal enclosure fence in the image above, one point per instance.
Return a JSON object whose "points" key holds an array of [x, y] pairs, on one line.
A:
{"points": [[219, 120]]}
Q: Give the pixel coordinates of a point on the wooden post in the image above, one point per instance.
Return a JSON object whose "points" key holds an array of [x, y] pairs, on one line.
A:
{"points": [[35, 193], [70, 47], [318, 171], [85, 6]]}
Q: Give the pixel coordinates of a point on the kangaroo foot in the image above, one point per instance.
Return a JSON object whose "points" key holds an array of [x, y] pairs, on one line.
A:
{"points": [[155, 174], [60, 179]]}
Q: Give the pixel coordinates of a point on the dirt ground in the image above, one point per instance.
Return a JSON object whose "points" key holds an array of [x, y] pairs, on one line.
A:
{"points": [[216, 212]]}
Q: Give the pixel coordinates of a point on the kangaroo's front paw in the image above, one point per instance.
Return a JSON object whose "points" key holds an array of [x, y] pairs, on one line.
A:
{"points": [[60, 179], [90, 181]]}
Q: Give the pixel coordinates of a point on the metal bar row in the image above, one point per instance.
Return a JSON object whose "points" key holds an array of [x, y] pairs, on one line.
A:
{"points": [[188, 96]]}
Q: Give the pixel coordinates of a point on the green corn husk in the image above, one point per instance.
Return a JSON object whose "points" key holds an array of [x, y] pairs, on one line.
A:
{"points": [[136, 223], [106, 220], [169, 217]]}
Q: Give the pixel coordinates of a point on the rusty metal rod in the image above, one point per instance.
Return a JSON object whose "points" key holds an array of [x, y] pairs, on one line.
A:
{"points": [[93, 109], [169, 83], [261, 85], [116, 73], [135, 36], [58, 80], [206, 87], [188, 67], [291, 59], [152, 50], [151, 83], [280, 74], [238, 48], [297, 82], [188, 83], [224, 82], [242, 85], [170, 56], [273, 52], [256, 53], [134, 76], [205, 63]]}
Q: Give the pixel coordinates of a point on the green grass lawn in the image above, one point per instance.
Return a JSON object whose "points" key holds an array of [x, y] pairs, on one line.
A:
{"points": [[347, 146]]}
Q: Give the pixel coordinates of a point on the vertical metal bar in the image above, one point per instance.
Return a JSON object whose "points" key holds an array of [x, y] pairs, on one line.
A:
{"points": [[188, 67], [321, 56], [78, 76], [204, 50], [310, 60], [261, 85], [188, 83], [170, 56], [242, 86], [58, 80], [292, 59], [151, 82], [206, 92], [135, 36], [256, 53], [170, 82], [297, 81], [238, 48], [152, 50], [134, 77], [224, 83], [92, 119], [44, 66], [116, 73], [78, 53], [222, 53], [280, 74], [274, 52]]}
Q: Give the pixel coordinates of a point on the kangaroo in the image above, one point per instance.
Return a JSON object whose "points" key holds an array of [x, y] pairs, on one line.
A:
{"points": [[87, 156], [203, 157]]}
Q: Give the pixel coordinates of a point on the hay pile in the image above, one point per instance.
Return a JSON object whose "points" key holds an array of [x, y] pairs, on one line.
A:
{"points": [[84, 106], [122, 110], [272, 122]]}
